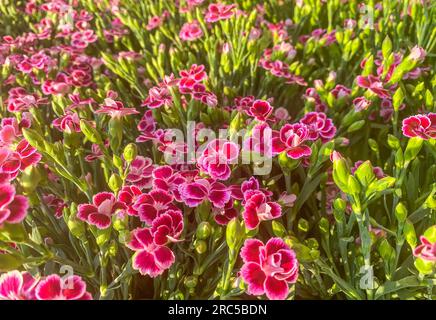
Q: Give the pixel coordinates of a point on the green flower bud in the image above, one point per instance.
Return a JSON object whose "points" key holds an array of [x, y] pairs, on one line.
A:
{"points": [[115, 133], [200, 246], [203, 230], [401, 212], [393, 142], [117, 161], [303, 225], [113, 249], [339, 204], [324, 225], [30, 179], [76, 227], [234, 233], [130, 152], [115, 182], [191, 281]]}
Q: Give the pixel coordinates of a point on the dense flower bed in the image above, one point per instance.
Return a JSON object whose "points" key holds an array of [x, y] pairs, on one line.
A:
{"points": [[192, 149]]}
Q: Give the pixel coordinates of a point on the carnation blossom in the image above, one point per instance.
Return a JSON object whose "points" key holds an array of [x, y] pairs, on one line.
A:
{"points": [[55, 288], [269, 269], [99, 213], [291, 139], [426, 250], [16, 285], [149, 258], [216, 158], [421, 125]]}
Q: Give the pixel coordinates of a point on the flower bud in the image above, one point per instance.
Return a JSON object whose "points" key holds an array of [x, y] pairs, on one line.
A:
{"points": [[203, 230], [115, 182], [200, 246], [130, 152], [401, 212], [191, 282]]}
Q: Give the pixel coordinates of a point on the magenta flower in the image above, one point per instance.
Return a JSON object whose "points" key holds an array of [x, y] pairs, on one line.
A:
{"points": [[167, 227], [13, 207], [140, 172], [82, 39], [219, 11], [20, 100], [166, 179], [115, 109], [68, 123], [426, 250], [269, 269], [340, 91], [291, 140], [258, 208], [149, 258], [374, 84], [28, 154], [16, 285], [191, 31], [320, 127], [151, 205], [216, 157], [189, 78], [55, 203], [128, 195], [361, 103], [224, 215], [260, 140], [99, 213], [154, 22], [420, 125], [260, 110], [194, 193], [281, 114], [55, 288]]}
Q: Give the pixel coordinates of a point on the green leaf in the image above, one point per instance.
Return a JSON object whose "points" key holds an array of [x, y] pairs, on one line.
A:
{"points": [[10, 262], [398, 99], [278, 229], [365, 173], [13, 233], [413, 147], [430, 234], [424, 267]]}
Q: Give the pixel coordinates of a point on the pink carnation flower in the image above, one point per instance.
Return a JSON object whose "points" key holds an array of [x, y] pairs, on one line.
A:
{"points": [[99, 213], [219, 11], [191, 31], [374, 84], [16, 285], [291, 140], [320, 127], [216, 158], [426, 250], [149, 258], [151, 205], [269, 269], [260, 110], [55, 288], [258, 208], [423, 126], [194, 193], [167, 227], [13, 208], [140, 172]]}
